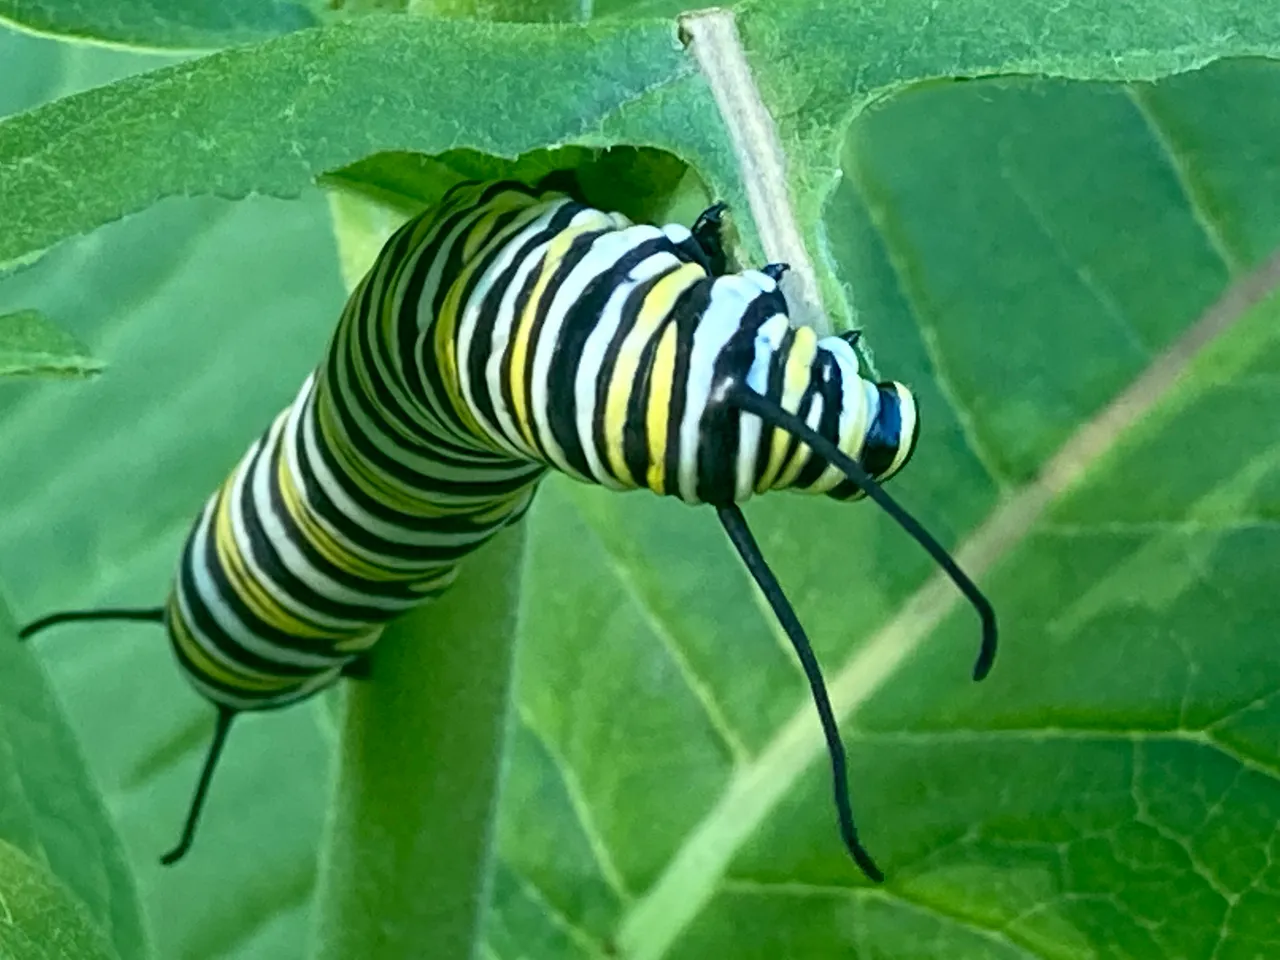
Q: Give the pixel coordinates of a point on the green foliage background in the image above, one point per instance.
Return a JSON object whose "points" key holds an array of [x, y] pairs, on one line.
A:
{"points": [[1020, 249]]}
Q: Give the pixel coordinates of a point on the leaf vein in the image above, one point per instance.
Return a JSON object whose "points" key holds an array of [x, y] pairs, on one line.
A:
{"points": [[714, 713], [896, 897], [877, 208], [1195, 192], [1153, 527], [556, 916], [1110, 307], [609, 871]]}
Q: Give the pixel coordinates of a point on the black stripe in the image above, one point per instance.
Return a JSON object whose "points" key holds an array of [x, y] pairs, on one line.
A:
{"points": [[359, 348], [628, 314], [452, 267], [825, 380], [286, 695], [393, 590], [687, 312], [885, 435], [202, 618], [774, 387], [719, 431], [419, 483], [268, 559], [580, 321], [481, 346], [323, 506], [578, 250]]}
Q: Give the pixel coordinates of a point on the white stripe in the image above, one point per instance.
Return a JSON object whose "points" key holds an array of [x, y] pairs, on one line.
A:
{"points": [[232, 625], [505, 432], [296, 562], [309, 685], [731, 296], [502, 322], [600, 259], [389, 532], [593, 354], [458, 471], [768, 342]]}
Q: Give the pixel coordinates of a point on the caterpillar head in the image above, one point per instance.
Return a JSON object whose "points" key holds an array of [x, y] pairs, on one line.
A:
{"points": [[893, 432]]}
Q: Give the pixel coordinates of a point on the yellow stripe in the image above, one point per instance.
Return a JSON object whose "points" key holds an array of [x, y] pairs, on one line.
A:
{"points": [[850, 443], [437, 581], [498, 509], [349, 339], [795, 378], [905, 445], [319, 538], [653, 312], [358, 644], [241, 678], [556, 251], [247, 587], [481, 232], [658, 416], [378, 485], [426, 224], [803, 451], [446, 324]]}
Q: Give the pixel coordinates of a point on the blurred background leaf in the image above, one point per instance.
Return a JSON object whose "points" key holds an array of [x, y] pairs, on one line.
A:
{"points": [[66, 888], [210, 313], [42, 921], [1020, 252], [30, 343], [160, 24]]}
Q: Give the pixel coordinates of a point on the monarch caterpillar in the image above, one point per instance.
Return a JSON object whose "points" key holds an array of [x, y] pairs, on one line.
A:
{"points": [[505, 333]]}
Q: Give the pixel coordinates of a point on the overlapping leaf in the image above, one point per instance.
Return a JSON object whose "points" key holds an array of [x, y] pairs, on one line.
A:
{"points": [[268, 119]]}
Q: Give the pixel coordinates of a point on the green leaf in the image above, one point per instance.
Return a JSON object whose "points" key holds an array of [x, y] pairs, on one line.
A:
{"points": [[163, 24], [269, 118], [53, 824], [821, 64], [506, 11], [1118, 758], [520, 11], [31, 344], [42, 921]]}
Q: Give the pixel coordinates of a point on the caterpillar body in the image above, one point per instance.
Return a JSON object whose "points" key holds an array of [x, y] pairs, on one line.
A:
{"points": [[508, 332]]}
